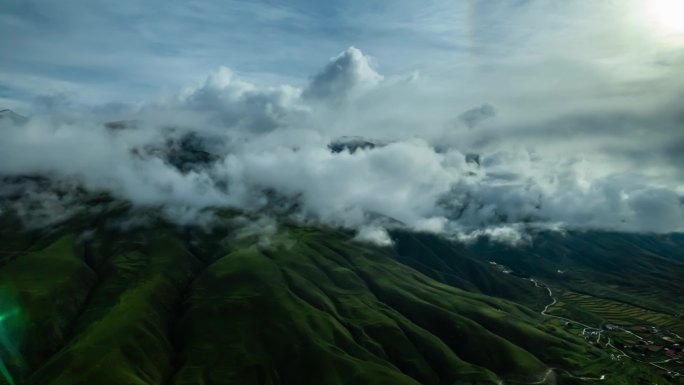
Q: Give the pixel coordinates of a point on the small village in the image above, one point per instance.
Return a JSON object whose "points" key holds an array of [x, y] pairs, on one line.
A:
{"points": [[649, 344], [661, 347]]}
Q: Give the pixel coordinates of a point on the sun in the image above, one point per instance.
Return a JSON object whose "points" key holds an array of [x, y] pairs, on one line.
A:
{"points": [[668, 14]]}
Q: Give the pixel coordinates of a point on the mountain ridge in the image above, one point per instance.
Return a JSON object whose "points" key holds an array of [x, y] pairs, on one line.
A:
{"points": [[162, 304]]}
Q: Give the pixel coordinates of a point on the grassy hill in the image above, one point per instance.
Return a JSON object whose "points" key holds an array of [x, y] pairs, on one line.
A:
{"points": [[91, 301]]}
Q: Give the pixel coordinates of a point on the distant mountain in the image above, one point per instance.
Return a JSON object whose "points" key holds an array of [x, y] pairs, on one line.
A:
{"points": [[122, 125], [186, 152], [473, 158], [12, 117], [353, 143]]}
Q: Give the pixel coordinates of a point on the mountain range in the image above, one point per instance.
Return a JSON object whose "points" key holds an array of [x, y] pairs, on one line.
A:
{"points": [[103, 297]]}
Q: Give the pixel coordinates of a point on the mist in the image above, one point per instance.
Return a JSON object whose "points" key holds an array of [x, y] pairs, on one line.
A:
{"points": [[407, 156]]}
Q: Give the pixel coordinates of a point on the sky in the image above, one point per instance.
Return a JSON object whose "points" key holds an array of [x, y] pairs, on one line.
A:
{"points": [[573, 108], [129, 50]]}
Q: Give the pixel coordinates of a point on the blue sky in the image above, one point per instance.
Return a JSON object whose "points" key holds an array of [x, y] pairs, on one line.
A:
{"points": [[101, 51], [140, 47]]}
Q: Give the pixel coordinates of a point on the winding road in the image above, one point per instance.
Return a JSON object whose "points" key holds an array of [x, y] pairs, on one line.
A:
{"points": [[587, 327], [547, 375]]}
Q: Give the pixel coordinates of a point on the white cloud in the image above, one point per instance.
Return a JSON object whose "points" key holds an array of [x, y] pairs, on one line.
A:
{"points": [[510, 234], [265, 148], [347, 75], [375, 235], [241, 105]]}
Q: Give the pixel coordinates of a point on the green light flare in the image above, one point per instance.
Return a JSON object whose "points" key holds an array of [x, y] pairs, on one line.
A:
{"points": [[8, 314], [7, 345], [5, 373]]}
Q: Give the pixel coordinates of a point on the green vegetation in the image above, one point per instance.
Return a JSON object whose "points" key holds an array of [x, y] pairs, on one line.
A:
{"points": [[51, 287], [598, 311], [91, 302], [635, 269]]}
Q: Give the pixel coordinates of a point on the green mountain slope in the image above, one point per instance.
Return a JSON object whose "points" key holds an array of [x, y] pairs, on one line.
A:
{"points": [[642, 270], [87, 302]]}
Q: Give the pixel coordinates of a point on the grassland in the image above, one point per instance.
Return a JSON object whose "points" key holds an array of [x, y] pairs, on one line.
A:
{"points": [[93, 302]]}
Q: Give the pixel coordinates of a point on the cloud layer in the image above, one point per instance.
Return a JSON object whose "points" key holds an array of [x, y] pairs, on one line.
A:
{"points": [[226, 142]]}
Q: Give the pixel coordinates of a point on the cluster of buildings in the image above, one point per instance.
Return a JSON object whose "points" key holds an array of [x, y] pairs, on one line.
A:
{"points": [[593, 336], [661, 341]]}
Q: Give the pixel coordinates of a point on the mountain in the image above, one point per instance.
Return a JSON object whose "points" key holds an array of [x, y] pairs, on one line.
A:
{"points": [[353, 143], [12, 117], [118, 125], [186, 153], [116, 295]]}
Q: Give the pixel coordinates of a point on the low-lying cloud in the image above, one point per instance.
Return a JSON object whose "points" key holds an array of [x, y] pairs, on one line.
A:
{"points": [[229, 143]]}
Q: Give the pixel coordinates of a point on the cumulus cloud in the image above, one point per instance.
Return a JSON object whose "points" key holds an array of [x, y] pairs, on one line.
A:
{"points": [[240, 104], [346, 75], [226, 142]]}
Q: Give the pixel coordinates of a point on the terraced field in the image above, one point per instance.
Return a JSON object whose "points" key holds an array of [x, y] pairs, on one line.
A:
{"points": [[597, 311], [635, 273]]}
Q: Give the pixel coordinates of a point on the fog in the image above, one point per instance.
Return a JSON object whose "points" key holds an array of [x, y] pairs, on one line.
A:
{"points": [[432, 160]]}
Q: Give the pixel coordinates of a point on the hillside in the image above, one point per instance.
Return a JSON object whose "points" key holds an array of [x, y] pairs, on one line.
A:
{"points": [[93, 301]]}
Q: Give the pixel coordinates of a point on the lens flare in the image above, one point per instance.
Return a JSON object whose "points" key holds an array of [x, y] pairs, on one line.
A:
{"points": [[11, 328]]}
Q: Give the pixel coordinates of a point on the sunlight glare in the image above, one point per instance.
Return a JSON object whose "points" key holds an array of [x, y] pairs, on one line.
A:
{"points": [[669, 15]]}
